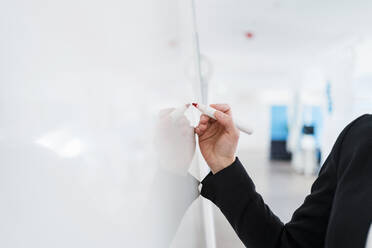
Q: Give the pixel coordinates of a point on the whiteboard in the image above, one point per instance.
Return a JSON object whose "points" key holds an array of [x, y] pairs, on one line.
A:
{"points": [[86, 156]]}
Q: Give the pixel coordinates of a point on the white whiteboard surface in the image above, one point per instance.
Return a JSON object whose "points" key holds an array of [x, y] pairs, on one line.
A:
{"points": [[83, 160]]}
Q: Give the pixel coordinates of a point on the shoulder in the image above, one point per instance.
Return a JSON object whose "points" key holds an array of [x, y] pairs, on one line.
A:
{"points": [[355, 156], [365, 119], [360, 131], [356, 143], [356, 132]]}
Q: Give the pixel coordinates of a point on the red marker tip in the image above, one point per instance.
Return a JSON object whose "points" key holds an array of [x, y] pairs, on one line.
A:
{"points": [[195, 105]]}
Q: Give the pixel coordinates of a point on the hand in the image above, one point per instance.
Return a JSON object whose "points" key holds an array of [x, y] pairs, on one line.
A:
{"points": [[174, 142], [218, 139]]}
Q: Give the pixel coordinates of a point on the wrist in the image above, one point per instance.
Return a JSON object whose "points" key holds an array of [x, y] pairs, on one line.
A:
{"points": [[222, 164]]}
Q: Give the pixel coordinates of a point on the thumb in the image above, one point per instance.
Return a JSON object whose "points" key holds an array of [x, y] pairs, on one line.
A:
{"points": [[225, 120]]}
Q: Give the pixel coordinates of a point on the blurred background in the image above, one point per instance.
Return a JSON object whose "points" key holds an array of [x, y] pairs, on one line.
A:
{"points": [[84, 86], [298, 72]]}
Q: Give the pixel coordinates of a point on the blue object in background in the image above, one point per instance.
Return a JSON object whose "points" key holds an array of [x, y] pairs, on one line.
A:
{"points": [[279, 123], [279, 133], [317, 123], [329, 97]]}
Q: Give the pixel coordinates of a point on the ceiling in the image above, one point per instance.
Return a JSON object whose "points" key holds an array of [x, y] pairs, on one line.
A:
{"points": [[286, 34]]}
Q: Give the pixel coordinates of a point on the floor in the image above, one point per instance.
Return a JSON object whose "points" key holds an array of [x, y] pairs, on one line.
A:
{"points": [[282, 189]]}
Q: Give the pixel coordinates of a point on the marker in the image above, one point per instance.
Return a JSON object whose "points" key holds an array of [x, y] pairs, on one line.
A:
{"points": [[207, 110]]}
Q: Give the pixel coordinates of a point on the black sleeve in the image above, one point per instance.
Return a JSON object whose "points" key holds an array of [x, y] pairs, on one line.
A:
{"points": [[233, 191]]}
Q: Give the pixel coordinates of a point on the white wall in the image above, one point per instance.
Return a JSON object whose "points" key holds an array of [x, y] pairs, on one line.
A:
{"points": [[85, 159]]}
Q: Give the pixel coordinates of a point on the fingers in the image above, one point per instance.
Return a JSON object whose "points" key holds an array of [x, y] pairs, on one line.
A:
{"points": [[201, 128], [225, 108], [197, 131], [223, 115], [204, 119], [225, 120]]}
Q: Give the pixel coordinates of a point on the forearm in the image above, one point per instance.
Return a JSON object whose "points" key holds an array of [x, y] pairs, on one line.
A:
{"points": [[233, 191]]}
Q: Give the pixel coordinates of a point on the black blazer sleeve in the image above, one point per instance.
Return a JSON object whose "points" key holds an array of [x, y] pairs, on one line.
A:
{"points": [[233, 191]]}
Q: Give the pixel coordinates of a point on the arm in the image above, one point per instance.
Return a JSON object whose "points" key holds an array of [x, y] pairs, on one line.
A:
{"points": [[233, 191]]}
